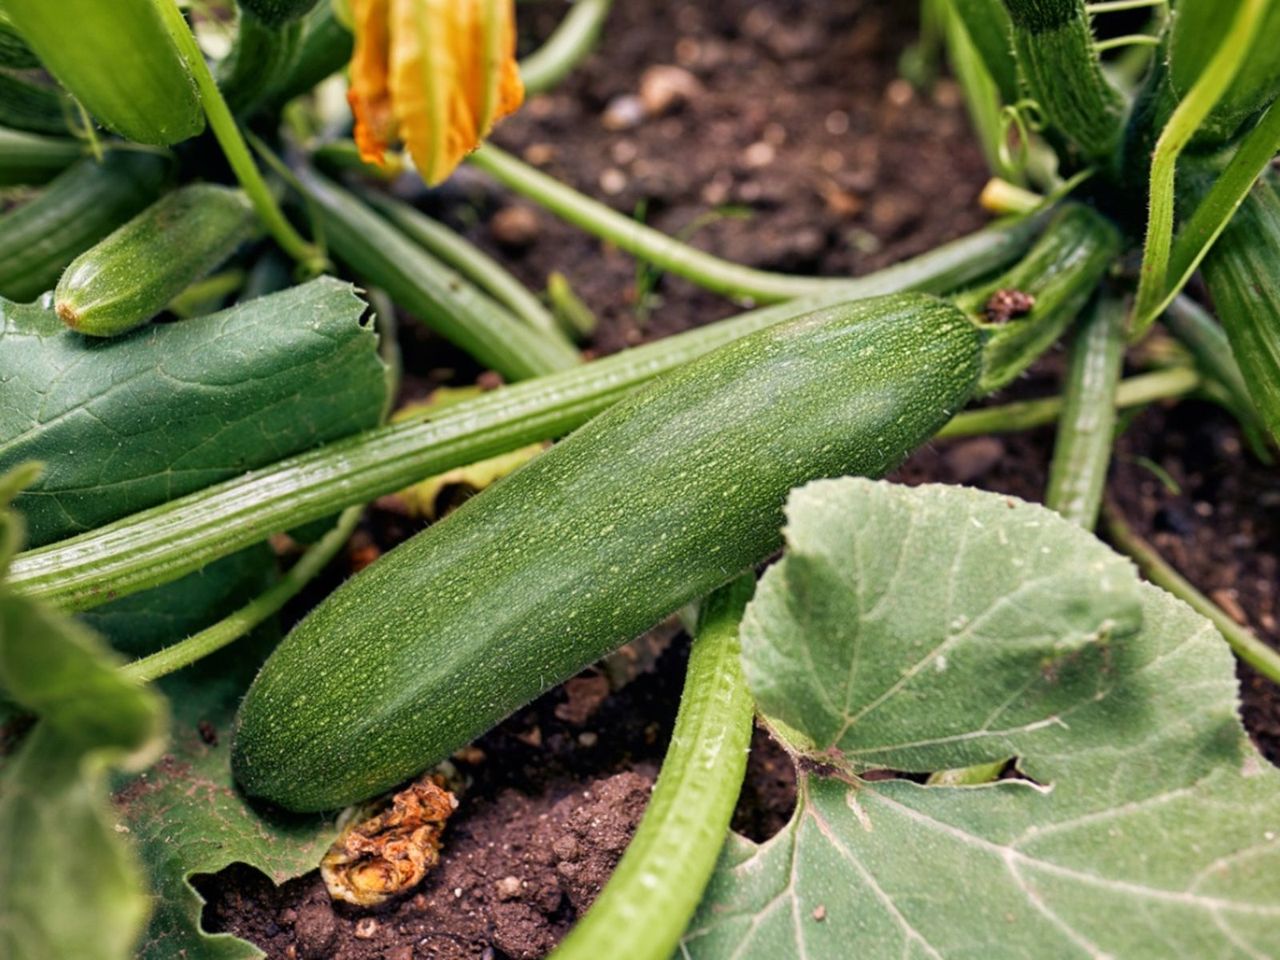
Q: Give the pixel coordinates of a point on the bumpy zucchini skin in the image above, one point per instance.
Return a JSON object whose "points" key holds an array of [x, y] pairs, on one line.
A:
{"points": [[1053, 42], [80, 207], [119, 60], [129, 277], [657, 501], [1242, 272]]}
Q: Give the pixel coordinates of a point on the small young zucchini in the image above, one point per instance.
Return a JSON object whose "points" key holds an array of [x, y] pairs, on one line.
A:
{"points": [[129, 277], [1242, 272], [76, 210], [119, 60], [276, 13], [654, 503], [36, 107]]}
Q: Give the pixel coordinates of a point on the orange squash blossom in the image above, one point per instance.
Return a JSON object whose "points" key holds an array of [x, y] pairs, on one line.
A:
{"points": [[433, 74]]}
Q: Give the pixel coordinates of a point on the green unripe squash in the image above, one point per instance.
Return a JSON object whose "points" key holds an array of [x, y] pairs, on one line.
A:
{"points": [[77, 209], [275, 13], [128, 278], [654, 503], [119, 59]]}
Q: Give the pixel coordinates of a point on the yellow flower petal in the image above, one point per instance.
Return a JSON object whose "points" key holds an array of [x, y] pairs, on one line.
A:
{"points": [[436, 73]]}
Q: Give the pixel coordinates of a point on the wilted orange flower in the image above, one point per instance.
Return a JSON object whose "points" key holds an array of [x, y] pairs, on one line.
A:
{"points": [[434, 74]]}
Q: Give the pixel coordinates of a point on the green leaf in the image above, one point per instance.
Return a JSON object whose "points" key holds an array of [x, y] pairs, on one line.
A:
{"points": [[142, 623], [187, 817], [129, 423], [69, 883], [920, 629]]}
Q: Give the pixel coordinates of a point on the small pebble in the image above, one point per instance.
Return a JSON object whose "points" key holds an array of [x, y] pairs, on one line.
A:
{"points": [[664, 87], [515, 227], [508, 888], [623, 113], [759, 154], [613, 181]]}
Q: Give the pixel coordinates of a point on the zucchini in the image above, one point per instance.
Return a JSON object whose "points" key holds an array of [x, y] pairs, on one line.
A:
{"points": [[1242, 272], [654, 503], [262, 57], [1053, 42], [27, 105], [128, 278], [79, 208], [30, 158], [119, 60]]}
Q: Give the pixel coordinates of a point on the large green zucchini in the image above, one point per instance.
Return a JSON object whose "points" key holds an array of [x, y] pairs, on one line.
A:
{"points": [[655, 502]]}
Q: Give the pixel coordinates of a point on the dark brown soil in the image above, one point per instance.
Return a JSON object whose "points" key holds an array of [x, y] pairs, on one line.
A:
{"points": [[800, 117]]}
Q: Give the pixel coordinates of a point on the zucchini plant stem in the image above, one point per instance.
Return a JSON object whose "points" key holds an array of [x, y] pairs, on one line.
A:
{"points": [[1187, 118], [1246, 645], [233, 627], [157, 545], [646, 243], [659, 881], [234, 146], [1086, 428], [570, 44], [468, 259]]}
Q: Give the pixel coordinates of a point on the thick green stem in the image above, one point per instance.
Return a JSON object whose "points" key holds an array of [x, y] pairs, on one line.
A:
{"points": [[234, 146], [572, 41], [1082, 453], [155, 546], [657, 248], [657, 885], [232, 628], [1209, 346], [1190, 114], [1027, 414], [1060, 69], [381, 256], [468, 259], [1248, 647]]}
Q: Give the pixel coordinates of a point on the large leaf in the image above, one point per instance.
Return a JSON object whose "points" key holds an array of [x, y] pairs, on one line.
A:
{"points": [[69, 883], [188, 818], [125, 424], [918, 629]]}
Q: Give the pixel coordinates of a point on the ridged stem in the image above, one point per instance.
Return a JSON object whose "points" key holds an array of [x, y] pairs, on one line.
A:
{"points": [[570, 44], [155, 546], [664, 252], [468, 259], [657, 885], [1086, 428], [1246, 645], [382, 256], [269, 602]]}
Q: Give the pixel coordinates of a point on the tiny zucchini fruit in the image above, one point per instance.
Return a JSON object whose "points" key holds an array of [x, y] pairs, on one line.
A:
{"points": [[119, 60], [1242, 272], [77, 209], [654, 503], [127, 279], [26, 104]]}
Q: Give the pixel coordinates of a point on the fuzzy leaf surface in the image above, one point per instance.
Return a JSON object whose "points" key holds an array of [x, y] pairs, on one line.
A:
{"points": [[920, 629]]}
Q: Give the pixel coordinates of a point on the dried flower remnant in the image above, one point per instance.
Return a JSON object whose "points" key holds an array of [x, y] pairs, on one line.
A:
{"points": [[1005, 305], [435, 74], [385, 855]]}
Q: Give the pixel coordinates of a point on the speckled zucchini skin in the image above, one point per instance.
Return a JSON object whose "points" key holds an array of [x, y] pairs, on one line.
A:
{"points": [[130, 276], [650, 505]]}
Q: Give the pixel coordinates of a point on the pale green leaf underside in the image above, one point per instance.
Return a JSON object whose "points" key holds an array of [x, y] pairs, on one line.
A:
{"points": [[1155, 828]]}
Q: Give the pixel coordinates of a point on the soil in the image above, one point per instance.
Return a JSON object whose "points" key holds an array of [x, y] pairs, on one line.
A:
{"points": [[792, 121]]}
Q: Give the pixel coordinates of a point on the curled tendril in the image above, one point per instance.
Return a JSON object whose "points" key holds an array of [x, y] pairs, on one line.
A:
{"points": [[1027, 117]]}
